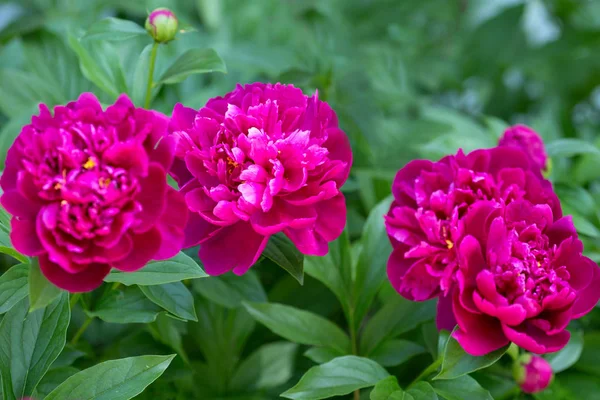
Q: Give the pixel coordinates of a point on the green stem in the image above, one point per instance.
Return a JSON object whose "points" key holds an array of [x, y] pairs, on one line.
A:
{"points": [[354, 341], [150, 75], [81, 330], [428, 371]]}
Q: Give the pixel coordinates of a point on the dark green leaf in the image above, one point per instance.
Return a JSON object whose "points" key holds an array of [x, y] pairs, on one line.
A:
{"points": [[299, 326], [174, 269], [457, 362], [6, 248], [284, 253], [125, 307], [29, 344], [193, 61], [338, 377], [230, 290], [166, 330], [395, 352], [269, 366], [173, 297], [140, 78], [114, 29], [385, 388], [13, 286], [461, 388], [396, 317], [41, 291], [588, 361], [67, 357], [120, 379], [52, 379], [372, 261], [569, 355], [422, 391]]}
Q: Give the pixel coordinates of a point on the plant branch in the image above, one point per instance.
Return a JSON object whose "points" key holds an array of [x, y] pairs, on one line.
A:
{"points": [[151, 75]]}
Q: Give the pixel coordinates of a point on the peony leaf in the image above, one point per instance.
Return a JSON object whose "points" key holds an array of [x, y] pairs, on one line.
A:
{"points": [[269, 366], [52, 379], [338, 377], [193, 61], [284, 253], [114, 29], [461, 388], [230, 290], [41, 291], [570, 147], [13, 286], [457, 362], [422, 391], [299, 326], [387, 389], [29, 344], [322, 355], [120, 379], [125, 307], [174, 269], [173, 297], [395, 352], [565, 358]]}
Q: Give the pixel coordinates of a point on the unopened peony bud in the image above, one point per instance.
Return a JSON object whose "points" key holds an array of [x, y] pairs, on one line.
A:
{"points": [[527, 140], [162, 25], [532, 373]]}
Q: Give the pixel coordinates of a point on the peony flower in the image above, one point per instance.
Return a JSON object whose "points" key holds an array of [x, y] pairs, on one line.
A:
{"points": [[262, 159], [522, 278], [533, 373], [526, 139], [87, 190], [162, 25], [431, 198]]}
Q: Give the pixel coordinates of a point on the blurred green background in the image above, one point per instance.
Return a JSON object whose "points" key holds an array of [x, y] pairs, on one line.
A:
{"points": [[407, 78]]}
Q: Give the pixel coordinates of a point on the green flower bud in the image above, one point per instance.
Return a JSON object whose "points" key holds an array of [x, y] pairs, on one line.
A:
{"points": [[162, 25]]}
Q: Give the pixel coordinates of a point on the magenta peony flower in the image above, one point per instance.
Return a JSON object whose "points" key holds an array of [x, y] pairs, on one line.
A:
{"points": [[533, 373], [522, 278], [525, 138], [87, 190], [261, 160], [431, 198]]}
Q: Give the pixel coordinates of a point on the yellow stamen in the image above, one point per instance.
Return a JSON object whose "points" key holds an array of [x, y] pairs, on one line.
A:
{"points": [[89, 164], [449, 244], [539, 264], [57, 185], [104, 182], [63, 203]]}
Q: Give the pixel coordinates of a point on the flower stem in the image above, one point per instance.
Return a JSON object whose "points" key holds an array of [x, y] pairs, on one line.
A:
{"points": [[353, 339], [428, 371], [81, 330], [150, 75], [74, 299]]}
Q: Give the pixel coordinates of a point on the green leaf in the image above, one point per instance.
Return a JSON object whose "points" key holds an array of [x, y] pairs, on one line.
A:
{"points": [[13, 286], [29, 344], [67, 357], [322, 355], [92, 70], [457, 362], [397, 316], [372, 261], [568, 356], [461, 388], [114, 29], [422, 391], [120, 379], [193, 61], [173, 297], [174, 269], [41, 291], [125, 307], [140, 77], [570, 147], [588, 361], [230, 290], [338, 377], [284, 253], [395, 352], [299, 326], [6, 248], [166, 330], [269, 366], [385, 388]]}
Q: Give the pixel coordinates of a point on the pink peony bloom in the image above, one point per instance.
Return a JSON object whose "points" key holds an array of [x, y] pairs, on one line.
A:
{"points": [[430, 199], [525, 138], [87, 190], [533, 373], [522, 278], [262, 159]]}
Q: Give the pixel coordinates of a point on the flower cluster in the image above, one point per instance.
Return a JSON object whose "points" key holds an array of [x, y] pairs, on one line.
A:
{"points": [[484, 232], [88, 189]]}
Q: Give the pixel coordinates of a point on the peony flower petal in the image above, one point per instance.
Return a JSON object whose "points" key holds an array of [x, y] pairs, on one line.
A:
{"points": [[89, 278], [535, 340], [445, 314], [151, 197], [24, 237], [588, 297], [145, 246]]}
